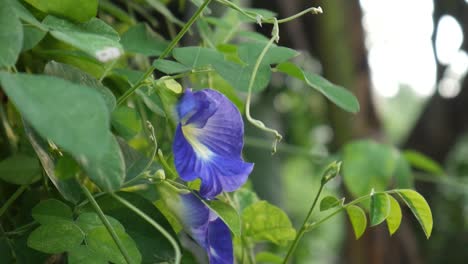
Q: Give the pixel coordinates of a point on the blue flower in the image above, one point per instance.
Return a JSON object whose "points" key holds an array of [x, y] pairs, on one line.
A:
{"points": [[202, 224], [208, 142]]}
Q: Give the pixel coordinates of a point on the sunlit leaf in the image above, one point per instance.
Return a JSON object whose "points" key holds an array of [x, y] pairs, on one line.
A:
{"points": [[268, 257], [420, 209], [329, 202], [379, 208], [263, 221], [358, 220], [244, 198], [68, 8], [394, 218]]}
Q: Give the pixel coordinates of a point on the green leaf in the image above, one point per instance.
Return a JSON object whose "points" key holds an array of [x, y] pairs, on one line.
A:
{"points": [[239, 76], [358, 219], [290, 69], [244, 198], [51, 212], [20, 169], [368, 165], [32, 36], [141, 39], [268, 257], [250, 51], [83, 255], [147, 238], [403, 175], [51, 106], [94, 37], [161, 8], [420, 209], [394, 218], [423, 162], [87, 9], [26, 16], [89, 221], [63, 177], [126, 121], [379, 208], [228, 215], [11, 35], [78, 76], [66, 168], [329, 202], [337, 94], [99, 240], [263, 221], [152, 101], [170, 67], [197, 57], [56, 238]]}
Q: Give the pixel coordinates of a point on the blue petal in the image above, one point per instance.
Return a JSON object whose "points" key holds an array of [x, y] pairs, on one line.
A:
{"points": [[208, 142], [220, 250], [223, 174]]}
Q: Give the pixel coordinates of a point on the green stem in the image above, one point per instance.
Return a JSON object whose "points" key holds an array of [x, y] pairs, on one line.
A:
{"points": [[254, 16], [22, 229], [154, 224], [358, 200], [283, 148], [304, 226], [12, 198], [106, 223], [165, 53], [8, 241], [259, 124]]}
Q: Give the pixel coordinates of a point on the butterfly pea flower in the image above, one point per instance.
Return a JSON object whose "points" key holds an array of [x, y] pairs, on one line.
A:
{"points": [[202, 224], [208, 142]]}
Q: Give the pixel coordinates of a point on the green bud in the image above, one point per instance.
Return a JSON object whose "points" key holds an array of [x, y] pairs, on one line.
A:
{"points": [[332, 170]]}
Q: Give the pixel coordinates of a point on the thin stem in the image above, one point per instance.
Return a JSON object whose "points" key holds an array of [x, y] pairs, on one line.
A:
{"points": [[165, 53], [8, 241], [154, 224], [283, 148], [304, 225], [356, 201], [20, 230], [259, 124], [12, 198], [106, 223], [255, 16]]}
